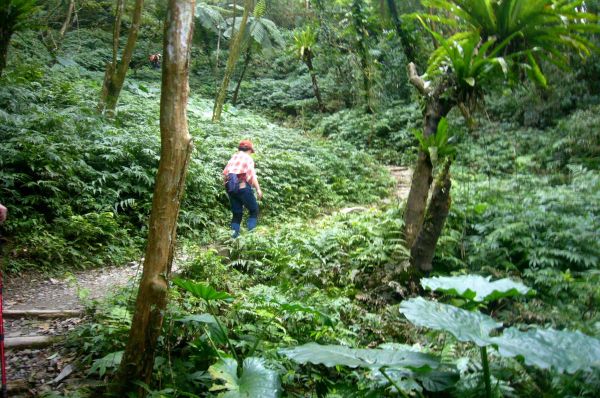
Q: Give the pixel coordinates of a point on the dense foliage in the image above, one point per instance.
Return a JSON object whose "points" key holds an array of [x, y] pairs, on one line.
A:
{"points": [[66, 167], [309, 304]]}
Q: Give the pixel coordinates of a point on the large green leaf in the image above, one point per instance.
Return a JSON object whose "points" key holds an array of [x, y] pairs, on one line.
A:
{"points": [[298, 307], [464, 325], [217, 332], [334, 355], [431, 380], [210, 17], [197, 318], [202, 290], [476, 287], [261, 31], [564, 351], [256, 380]]}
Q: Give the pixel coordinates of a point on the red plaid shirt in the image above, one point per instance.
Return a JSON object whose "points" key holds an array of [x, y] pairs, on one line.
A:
{"points": [[241, 163]]}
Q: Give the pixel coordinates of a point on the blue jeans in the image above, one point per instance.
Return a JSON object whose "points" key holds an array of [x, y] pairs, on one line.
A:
{"points": [[243, 198]]}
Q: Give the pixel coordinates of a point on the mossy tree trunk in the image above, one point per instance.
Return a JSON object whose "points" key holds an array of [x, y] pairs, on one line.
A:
{"points": [[116, 70], [234, 54], [5, 35], [408, 47], [423, 249], [423, 224], [176, 147], [358, 15], [422, 174], [308, 56]]}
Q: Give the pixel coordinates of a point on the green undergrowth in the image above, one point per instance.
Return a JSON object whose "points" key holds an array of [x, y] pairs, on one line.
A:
{"points": [[388, 134], [79, 186], [525, 204], [301, 282], [322, 281]]}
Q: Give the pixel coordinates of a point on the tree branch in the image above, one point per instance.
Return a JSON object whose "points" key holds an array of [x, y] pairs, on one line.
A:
{"points": [[421, 85]]}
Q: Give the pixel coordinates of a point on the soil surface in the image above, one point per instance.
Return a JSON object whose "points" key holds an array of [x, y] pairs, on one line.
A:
{"points": [[403, 176], [32, 372], [42, 292]]}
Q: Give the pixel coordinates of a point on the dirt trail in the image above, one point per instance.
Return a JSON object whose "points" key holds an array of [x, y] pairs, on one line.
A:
{"points": [[43, 292], [39, 369], [403, 176]]}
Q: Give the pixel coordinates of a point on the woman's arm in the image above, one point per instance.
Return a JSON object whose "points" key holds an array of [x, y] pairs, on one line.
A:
{"points": [[256, 185]]}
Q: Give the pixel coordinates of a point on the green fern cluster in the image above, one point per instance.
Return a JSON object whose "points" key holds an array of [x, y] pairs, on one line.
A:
{"points": [[63, 167], [387, 134]]}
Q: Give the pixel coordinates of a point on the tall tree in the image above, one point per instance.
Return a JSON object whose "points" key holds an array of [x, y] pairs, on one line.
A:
{"points": [[116, 70], [407, 45], [304, 46], [176, 148], [14, 16], [359, 22], [67, 22], [51, 42], [261, 35], [234, 54], [492, 39]]}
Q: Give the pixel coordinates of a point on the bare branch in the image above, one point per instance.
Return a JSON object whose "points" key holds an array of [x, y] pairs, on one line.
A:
{"points": [[421, 85]]}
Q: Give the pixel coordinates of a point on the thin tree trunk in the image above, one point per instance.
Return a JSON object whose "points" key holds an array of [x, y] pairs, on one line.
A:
{"points": [[234, 54], [216, 70], [313, 77], [239, 82], [65, 26], [357, 11], [113, 83], [5, 35], [53, 46], [421, 253], [233, 18], [176, 147], [422, 175], [408, 48], [120, 6], [111, 66]]}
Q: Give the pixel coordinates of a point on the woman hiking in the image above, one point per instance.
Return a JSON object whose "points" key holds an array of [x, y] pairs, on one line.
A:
{"points": [[240, 177]]}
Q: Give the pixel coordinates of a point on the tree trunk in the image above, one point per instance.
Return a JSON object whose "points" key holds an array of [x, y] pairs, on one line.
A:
{"points": [[65, 26], [233, 18], [113, 83], [176, 147], [5, 35], [239, 82], [313, 77], [408, 48], [234, 54], [47, 38], [421, 253], [109, 71], [360, 28], [422, 175]]}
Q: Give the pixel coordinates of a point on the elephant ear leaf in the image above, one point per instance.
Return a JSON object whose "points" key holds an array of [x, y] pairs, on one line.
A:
{"points": [[463, 324], [335, 355], [255, 381], [202, 290], [564, 351], [476, 287]]}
